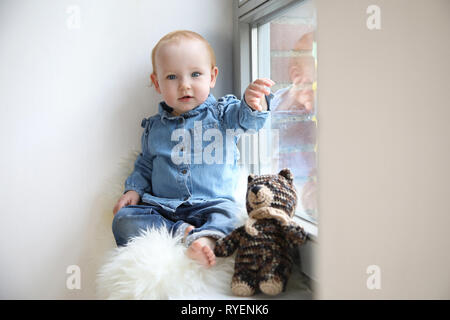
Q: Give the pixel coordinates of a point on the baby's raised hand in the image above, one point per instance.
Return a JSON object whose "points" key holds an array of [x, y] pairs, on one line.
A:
{"points": [[255, 94]]}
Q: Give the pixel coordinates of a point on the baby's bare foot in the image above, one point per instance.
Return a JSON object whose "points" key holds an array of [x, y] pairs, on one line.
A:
{"points": [[201, 250]]}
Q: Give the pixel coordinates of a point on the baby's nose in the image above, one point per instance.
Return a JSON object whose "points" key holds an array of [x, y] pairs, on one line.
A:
{"points": [[184, 83]]}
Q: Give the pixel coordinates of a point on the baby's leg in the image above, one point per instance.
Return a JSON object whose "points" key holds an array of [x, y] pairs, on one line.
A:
{"points": [[130, 221], [213, 220]]}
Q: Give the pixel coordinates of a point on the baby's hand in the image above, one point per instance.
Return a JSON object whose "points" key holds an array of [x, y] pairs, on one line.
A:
{"points": [[255, 94], [129, 198]]}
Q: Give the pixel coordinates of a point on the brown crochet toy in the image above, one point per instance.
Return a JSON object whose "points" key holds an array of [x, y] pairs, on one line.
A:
{"points": [[262, 260]]}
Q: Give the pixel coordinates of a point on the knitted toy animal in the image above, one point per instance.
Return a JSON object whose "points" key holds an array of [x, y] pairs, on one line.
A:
{"points": [[262, 259]]}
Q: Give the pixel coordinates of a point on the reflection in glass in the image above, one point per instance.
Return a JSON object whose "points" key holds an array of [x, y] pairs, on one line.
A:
{"points": [[292, 62]]}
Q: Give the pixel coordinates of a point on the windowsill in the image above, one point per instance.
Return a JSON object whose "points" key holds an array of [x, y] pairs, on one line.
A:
{"points": [[308, 250]]}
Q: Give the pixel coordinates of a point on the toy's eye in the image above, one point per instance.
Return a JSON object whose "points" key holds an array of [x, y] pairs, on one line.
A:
{"points": [[171, 77]]}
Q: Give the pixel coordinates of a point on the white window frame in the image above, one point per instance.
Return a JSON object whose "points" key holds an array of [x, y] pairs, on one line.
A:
{"points": [[248, 16]]}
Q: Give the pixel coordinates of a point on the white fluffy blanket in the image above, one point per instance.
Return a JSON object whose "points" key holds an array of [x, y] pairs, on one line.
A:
{"points": [[155, 266]]}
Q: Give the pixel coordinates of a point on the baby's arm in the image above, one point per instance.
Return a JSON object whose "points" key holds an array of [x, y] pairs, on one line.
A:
{"points": [[226, 246], [136, 184], [139, 180], [250, 113]]}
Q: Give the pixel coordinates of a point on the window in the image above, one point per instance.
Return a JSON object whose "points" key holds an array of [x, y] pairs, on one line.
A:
{"points": [[276, 40]]}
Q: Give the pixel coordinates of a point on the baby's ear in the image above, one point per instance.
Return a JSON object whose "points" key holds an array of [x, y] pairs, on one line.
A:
{"points": [[287, 174], [214, 73], [251, 177], [155, 82]]}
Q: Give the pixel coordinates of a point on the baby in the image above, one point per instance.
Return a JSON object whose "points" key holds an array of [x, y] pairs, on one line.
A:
{"points": [[191, 195]]}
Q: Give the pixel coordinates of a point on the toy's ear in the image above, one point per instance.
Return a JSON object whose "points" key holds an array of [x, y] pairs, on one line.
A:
{"points": [[287, 174], [251, 177]]}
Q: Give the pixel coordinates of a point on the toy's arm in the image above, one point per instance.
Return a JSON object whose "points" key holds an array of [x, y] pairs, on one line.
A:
{"points": [[295, 234], [226, 246]]}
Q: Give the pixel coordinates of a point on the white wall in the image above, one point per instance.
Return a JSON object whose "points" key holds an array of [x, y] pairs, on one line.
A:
{"points": [[72, 96]]}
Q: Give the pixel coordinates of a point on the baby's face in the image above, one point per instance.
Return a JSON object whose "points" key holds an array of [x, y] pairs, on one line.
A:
{"points": [[184, 75]]}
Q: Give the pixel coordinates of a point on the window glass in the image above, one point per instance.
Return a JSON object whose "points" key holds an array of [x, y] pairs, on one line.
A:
{"points": [[287, 54]]}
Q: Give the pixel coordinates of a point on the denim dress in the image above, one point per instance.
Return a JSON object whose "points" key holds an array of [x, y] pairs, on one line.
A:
{"points": [[187, 171]]}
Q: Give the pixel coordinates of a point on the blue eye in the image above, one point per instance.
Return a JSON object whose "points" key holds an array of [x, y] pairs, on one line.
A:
{"points": [[171, 77], [195, 74]]}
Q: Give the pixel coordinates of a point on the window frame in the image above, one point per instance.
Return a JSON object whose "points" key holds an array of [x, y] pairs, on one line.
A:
{"points": [[248, 16]]}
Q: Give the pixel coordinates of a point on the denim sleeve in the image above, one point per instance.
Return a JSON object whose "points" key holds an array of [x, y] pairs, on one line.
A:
{"points": [[236, 114], [140, 179]]}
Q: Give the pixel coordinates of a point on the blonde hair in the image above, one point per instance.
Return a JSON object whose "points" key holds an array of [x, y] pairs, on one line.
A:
{"points": [[182, 34]]}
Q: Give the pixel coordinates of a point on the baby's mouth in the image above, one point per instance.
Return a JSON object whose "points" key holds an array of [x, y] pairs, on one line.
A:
{"points": [[185, 98]]}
